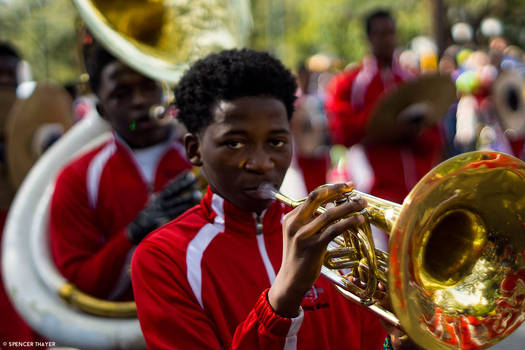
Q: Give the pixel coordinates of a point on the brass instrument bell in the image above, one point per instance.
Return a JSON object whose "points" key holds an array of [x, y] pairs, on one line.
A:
{"points": [[455, 267]]}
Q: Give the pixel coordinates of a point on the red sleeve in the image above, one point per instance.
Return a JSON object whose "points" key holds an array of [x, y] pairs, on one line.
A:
{"points": [[346, 126], [78, 244], [172, 318]]}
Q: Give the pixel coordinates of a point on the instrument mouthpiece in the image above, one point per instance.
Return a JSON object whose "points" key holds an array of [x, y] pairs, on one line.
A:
{"points": [[267, 191], [157, 112]]}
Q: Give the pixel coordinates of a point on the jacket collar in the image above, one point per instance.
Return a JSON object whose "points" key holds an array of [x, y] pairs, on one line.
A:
{"points": [[370, 64], [235, 220]]}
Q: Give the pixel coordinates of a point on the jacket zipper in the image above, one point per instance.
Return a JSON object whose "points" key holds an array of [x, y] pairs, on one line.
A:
{"points": [[262, 248], [258, 225]]}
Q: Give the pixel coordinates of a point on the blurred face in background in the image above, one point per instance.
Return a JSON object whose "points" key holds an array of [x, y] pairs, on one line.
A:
{"points": [[382, 37], [125, 98], [8, 72]]}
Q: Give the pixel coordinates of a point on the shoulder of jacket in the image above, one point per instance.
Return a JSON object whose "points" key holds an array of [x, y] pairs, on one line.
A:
{"points": [[180, 231], [79, 164]]}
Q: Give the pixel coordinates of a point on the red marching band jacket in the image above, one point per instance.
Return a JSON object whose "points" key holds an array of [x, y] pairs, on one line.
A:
{"points": [[200, 282], [96, 196]]}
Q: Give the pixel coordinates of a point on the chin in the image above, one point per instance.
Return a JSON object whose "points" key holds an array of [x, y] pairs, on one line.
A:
{"points": [[254, 206]]}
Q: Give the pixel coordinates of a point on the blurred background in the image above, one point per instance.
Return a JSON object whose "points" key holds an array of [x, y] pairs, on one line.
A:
{"points": [[46, 30]]}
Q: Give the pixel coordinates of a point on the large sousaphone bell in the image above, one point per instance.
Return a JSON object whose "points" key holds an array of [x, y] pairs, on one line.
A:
{"points": [[509, 101], [160, 39], [455, 267]]}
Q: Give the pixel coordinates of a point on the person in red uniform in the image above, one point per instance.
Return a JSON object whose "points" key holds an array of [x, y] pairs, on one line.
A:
{"points": [[241, 271], [396, 164], [308, 125], [107, 199]]}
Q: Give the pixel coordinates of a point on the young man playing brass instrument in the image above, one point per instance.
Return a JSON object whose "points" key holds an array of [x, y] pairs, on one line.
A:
{"points": [[241, 271]]}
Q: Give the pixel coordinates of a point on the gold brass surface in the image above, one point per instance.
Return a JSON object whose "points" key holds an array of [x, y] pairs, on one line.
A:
{"points": [[161, 38], [455, 268], [96, 306], [457, 253]]}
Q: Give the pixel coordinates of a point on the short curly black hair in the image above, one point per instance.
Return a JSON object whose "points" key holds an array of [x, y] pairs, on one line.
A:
{"points": [[376, 14], [96, 58], [228, 75]]}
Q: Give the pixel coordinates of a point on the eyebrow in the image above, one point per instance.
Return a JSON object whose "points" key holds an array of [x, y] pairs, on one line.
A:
{"points": [[280, 131], [242, 132]]}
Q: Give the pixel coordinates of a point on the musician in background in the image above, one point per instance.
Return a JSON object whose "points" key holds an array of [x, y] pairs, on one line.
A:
{"points": [[397, 163], [109, 198], [12, 327], [310, 158], [237, 271]]}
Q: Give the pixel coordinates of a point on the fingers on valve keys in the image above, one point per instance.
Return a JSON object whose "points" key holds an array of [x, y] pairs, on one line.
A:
{"points": [[335, 219]]}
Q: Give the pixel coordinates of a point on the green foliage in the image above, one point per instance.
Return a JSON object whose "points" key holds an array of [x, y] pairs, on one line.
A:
{"points": [[513, 17], [44, 31], [294, 30]]}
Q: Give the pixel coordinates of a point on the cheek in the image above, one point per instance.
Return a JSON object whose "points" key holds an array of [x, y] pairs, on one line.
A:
{"points": [[110, 108], [285, 158], [159, 97], [118, 106], [221, 175], [121, 113], [217, 164]]}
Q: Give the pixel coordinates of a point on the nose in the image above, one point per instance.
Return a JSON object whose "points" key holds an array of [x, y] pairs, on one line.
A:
{"points": [[140, 98], [260, 161]]}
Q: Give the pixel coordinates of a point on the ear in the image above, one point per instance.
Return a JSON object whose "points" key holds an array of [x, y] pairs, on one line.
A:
{"points": [[193, 149], [100, 111]]}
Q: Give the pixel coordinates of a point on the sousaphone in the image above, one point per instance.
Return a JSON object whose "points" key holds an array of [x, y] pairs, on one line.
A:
{"points": [[160, 39], [508, 94]]}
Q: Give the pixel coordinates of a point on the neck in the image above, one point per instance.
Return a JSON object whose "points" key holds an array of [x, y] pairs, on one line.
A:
{"points": [[384, 61]]}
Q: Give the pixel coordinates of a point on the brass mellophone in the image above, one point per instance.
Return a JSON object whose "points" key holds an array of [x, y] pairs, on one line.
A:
{"points": [[456, 254]]}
